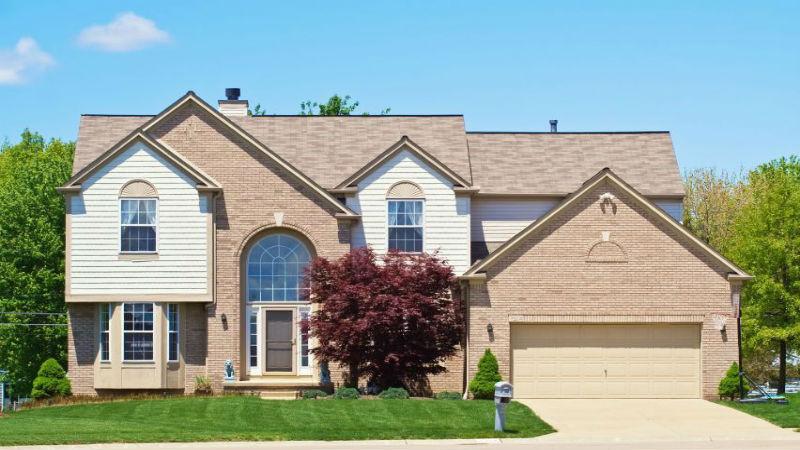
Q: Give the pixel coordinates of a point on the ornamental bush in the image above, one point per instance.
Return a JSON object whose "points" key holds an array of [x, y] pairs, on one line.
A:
{"points": [[395, 393], [482, 386], [346, 393], [448, 395], [314, 393], [51, 381], [729, 384]]}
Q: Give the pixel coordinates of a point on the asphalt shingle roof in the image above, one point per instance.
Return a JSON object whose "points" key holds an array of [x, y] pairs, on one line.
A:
{"points": [[330, 149]]}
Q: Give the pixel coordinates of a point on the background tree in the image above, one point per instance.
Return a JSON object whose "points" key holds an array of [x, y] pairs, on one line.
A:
{"points": [[32, 253], [766, 243], [394, 323], [713, 200]]}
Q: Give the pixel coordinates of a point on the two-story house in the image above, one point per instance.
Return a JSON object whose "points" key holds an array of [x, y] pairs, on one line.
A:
{"points": [[187, 233]]}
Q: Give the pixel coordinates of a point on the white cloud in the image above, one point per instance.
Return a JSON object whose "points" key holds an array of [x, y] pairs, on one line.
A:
{"points": [[24, 60], [125, 33]]}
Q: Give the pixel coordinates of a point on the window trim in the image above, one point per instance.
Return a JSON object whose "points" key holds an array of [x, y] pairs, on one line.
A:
{"points": [[105, 332], [156, 226], [176, 332], [422, 225], [152, 332]]}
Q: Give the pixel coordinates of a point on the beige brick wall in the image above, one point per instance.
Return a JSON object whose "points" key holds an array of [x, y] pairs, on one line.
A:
{"points": [[254, 189], [81, 347], [664, 278]]}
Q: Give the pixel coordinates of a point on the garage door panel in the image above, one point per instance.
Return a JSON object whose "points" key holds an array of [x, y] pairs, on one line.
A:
{"points": [[606, 361]]}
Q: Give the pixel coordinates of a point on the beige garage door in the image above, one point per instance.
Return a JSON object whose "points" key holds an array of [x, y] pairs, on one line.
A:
{"points": [[605, 361]]}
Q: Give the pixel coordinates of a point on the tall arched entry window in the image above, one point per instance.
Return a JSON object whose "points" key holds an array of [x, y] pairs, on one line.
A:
{"points": [[275, 268], [277, 302]]}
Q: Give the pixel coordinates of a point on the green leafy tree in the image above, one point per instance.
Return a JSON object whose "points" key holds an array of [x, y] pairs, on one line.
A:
{"points": [[335, 106], [712, 203], [729, 384], [482, 385], [51, 381], [767, 244], [32, 253], [257, 111]]}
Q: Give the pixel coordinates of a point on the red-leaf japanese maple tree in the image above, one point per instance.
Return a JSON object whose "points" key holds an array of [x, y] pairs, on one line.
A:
{"points": [[393, 322]]}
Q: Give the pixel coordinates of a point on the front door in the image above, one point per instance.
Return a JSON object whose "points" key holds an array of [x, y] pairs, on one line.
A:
{"points": [[279, 342]]}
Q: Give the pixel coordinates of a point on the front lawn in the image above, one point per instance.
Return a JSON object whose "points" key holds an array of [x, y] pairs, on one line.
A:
{"points": [[229, 418], [786, 416]]}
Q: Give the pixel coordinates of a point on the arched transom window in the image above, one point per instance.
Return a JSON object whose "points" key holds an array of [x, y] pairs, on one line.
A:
{"points": [[275, 269]]}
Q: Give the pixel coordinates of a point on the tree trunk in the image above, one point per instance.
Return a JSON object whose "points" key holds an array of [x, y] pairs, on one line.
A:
{"points": [[352, 375], [782, 369]]}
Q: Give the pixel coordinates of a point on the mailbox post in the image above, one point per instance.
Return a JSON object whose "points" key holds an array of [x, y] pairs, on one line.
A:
{"points": [[502, 396]]}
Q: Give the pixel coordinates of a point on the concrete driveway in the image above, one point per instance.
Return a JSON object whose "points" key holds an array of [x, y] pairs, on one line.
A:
{"points": [[651, 421]]}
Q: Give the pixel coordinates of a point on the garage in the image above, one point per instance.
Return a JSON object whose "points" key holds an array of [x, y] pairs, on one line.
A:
{"points": [[605, 360]]}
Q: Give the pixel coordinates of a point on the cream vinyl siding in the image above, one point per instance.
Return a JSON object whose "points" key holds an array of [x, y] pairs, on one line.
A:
{"points": [[446, 216], [497, 220], [181, 267], [606, 361], [672, 207]]}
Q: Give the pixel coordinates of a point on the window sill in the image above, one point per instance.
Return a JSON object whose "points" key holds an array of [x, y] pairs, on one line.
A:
{"points": [[137, 256], [138, 363]]}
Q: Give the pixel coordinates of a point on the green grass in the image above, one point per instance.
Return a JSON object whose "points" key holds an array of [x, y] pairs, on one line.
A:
{"points": [[230, 418], [786, 416]]}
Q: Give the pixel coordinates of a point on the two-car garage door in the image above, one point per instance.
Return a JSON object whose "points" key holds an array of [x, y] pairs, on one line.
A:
{"points": [[606, 361]]}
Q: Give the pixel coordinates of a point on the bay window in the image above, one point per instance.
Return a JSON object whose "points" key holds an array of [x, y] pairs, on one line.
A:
{"points": [[137, 332]]}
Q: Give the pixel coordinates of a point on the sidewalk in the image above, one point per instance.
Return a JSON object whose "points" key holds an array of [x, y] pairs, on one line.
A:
{"points": [[447, 444]]}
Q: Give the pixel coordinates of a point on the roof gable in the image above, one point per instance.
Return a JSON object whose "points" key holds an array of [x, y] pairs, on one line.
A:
{"points": [[604, 175], [404, 144], [190, 97], [203, 180]]}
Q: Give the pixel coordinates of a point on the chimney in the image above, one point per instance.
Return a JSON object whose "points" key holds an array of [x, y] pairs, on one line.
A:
{"points": [[554, 126], [232, 106]]}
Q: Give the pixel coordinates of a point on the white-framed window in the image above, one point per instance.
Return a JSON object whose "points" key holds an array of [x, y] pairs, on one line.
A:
{"points": [[405, 225], [304, 355], [173, 336], [252, 339], [138, 225], [105, 332], [137, 331], [275, 270]]}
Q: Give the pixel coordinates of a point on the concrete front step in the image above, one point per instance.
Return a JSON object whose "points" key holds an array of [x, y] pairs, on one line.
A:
{"points": [[279, 395]]}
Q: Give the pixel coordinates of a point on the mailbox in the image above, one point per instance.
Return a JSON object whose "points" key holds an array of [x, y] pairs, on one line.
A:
{"points": [[503, 392]]}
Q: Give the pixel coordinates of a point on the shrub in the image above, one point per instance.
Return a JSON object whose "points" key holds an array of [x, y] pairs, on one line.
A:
{"points": [[448, 395], [51, 381], [314, 393], [729, 384], [346, 393], [482, 386], [202, 386], [395, 393]]}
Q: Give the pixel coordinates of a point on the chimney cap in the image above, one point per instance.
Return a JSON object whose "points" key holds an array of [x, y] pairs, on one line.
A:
{"points": [[232, 93], [553, 126]]}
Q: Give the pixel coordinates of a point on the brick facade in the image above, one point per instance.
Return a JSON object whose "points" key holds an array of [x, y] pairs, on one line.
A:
{"points": [[646, 272], [254, 189]]}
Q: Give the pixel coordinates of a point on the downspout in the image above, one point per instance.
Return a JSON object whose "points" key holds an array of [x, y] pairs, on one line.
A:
{"points": [[465, 301], [213, 245]]}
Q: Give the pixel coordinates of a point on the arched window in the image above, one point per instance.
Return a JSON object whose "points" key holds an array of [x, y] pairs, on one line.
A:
{"points": [[275, 269]]}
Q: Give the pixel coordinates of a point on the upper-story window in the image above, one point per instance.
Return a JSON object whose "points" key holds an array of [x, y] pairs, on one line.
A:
{"points": [[275, 270], [405, 218], [138, 218]]}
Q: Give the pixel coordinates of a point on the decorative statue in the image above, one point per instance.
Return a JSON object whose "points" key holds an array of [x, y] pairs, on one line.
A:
{"points": [[324, 373], [229, 374]]}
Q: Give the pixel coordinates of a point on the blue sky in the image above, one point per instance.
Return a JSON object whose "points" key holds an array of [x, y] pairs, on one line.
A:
{"points": [[723, 77]]}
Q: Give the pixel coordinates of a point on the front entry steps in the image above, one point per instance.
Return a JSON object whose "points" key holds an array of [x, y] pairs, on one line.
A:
{"points": [[273, 387], [279, 395]]}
